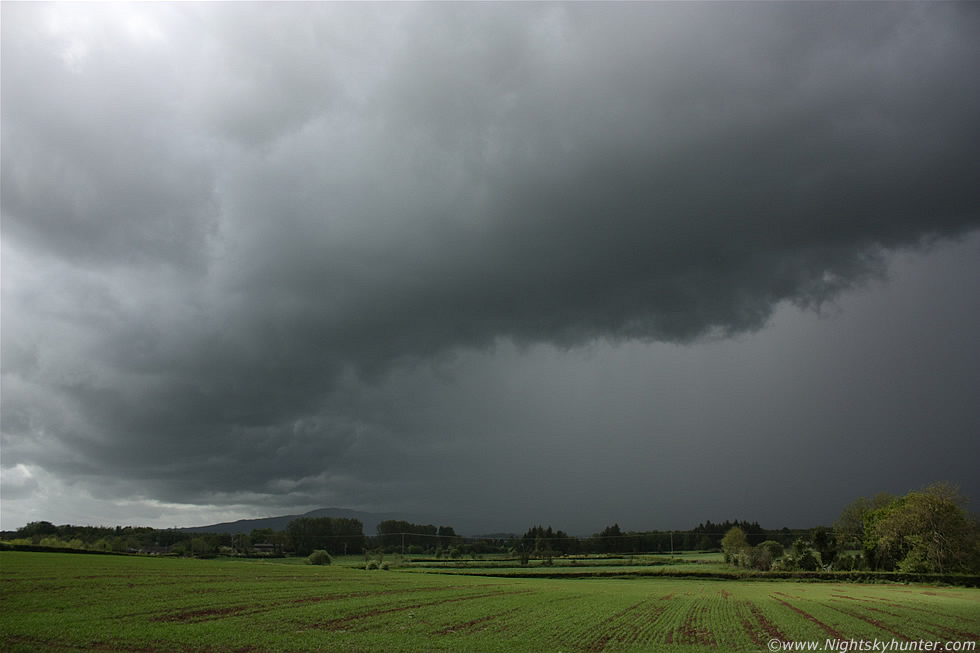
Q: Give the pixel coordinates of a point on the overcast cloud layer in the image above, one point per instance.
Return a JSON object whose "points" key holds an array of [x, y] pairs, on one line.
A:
{"points": [[509, 263]]}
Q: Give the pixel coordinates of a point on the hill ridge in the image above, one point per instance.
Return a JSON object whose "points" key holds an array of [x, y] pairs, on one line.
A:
{"points": [[370, 520]]}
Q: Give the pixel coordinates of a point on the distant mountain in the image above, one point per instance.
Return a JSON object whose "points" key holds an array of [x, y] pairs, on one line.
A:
{"points": [[495, 536], [369, 519]]}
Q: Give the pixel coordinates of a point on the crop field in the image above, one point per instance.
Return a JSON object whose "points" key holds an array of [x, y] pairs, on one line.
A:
{"points": [[602, 565], [71, 602]]}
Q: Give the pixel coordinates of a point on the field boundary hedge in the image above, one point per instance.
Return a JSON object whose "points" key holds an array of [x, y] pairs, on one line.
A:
{"points": [[959, 580], [37, 548]]}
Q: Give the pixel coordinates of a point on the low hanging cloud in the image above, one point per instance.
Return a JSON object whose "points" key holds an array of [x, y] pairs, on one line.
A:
{"points": [[224, 225]]}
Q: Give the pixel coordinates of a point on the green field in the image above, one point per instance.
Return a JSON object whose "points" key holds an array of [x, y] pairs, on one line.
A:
{"points": [[69, 602], [571, 566]]}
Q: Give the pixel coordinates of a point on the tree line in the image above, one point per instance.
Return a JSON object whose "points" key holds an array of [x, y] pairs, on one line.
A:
{"points": [[302, 536], [706, 536], [927, 531], [923, 532], [341, 536]]}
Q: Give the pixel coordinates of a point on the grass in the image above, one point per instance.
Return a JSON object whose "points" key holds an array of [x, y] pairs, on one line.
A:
{"points": [[66, 602], [580, 565]]}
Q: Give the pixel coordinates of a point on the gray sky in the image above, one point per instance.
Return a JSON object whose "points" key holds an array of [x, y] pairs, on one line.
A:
{"points": [[507, 264]]}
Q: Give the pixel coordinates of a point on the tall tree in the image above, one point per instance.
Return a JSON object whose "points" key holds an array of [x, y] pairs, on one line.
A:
{"points": [[925, 531], [337, 536], [826, 543], [849, 527], [733, 543]]}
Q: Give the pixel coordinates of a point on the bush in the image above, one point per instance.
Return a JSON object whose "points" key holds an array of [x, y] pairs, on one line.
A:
{"points": [[372, 564], [845, 562], [319, 557], [773, 549], [52, 542]]}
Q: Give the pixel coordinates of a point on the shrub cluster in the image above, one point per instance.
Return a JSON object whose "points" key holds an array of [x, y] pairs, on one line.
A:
{"points": [[319, 557]]}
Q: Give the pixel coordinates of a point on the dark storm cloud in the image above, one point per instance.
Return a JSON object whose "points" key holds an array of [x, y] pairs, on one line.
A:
{"points": [[224, 226]]}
